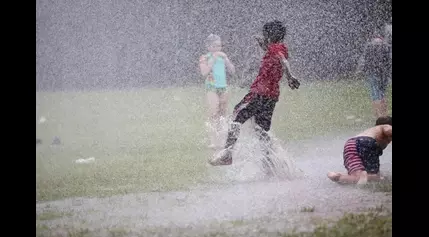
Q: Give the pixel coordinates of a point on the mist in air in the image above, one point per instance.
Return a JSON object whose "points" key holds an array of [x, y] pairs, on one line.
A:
{"points": [[98, 44]]}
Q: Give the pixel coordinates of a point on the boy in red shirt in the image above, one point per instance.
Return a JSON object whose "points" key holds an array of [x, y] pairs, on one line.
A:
{"points": [[264, 92]]}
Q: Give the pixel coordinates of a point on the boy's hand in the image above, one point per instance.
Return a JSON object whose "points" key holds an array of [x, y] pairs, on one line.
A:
{"points": [[261, 42], [293, 83]]}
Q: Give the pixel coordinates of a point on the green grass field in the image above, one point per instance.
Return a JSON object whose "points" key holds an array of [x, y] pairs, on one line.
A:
{"points": [[153, 139], [367, 224]]}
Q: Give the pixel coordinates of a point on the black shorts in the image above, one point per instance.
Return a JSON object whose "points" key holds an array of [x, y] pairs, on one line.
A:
{"points": [[262, 107]]}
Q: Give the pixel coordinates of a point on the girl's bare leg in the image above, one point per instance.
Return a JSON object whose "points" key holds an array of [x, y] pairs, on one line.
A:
{"points": [[213, 113], [223, 104], [223, 111]]}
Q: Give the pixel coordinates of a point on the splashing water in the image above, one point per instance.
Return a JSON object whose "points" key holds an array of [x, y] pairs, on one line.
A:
{"points": [[249, 162]]}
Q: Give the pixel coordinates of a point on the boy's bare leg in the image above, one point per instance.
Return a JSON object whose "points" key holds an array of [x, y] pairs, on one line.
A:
{"points": [[224, 157], [242, 112], [358, 177], [266, 145], [374, 177]]}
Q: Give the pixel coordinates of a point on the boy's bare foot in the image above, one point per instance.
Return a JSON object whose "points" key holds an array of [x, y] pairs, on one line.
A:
{"points": [[334, 176]]}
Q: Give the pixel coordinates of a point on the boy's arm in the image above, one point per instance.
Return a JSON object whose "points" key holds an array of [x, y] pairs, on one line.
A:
{"points": [[262, 43], [286, 66], [292, 81], [388, 131]]}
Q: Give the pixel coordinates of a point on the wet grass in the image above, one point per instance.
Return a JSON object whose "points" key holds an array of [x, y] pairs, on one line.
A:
{"points": [[154, 140], [377, 209], [369, 224], [384, 185], [68, 233], [50, 215], [353, 225]]}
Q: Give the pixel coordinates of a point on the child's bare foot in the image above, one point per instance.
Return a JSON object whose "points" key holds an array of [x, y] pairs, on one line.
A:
{"points": [[363, 178], [334, 176]]}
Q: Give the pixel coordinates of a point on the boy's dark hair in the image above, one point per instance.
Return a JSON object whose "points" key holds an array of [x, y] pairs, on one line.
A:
{"points": [[274, 31], [384, 120]]}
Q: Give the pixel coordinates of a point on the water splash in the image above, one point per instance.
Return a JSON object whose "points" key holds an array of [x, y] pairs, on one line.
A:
{"points": [[249, 162]]}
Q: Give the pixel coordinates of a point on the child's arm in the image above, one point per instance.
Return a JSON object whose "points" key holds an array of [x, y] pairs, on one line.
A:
{"points": [[292, 81], [206, 65], [263, 44], [229, 65], [387, 130]]}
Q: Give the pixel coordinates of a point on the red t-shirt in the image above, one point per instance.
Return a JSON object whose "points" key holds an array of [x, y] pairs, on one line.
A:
{"points": [[270, 73]]}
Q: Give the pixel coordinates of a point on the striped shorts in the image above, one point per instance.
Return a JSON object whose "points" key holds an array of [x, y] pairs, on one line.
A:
{"points": [[362, 154]]}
